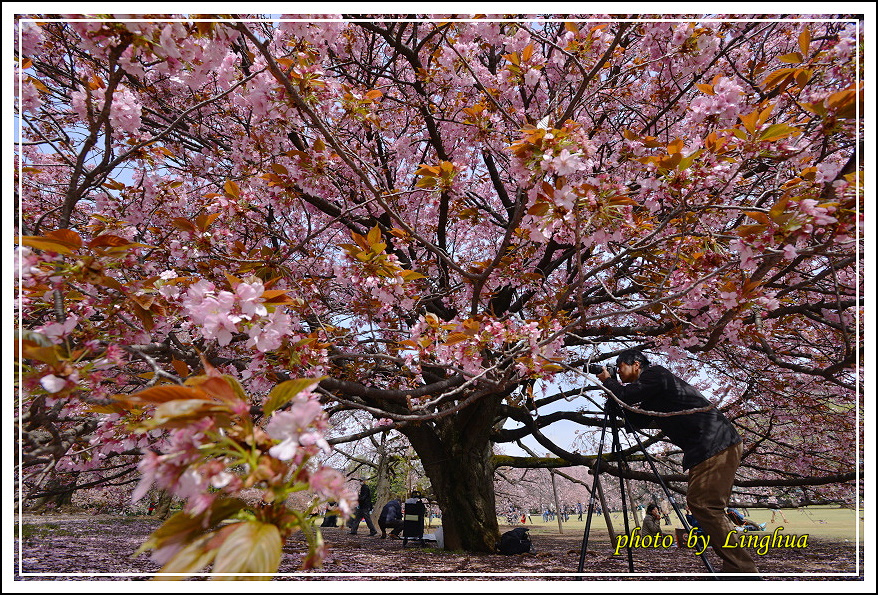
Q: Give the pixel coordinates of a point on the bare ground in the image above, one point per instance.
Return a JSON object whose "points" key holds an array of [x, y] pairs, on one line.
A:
{"points": [[55, 547]]}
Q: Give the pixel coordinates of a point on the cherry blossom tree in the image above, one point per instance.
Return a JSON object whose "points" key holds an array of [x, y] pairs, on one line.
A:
{"points": [[434, 221]]}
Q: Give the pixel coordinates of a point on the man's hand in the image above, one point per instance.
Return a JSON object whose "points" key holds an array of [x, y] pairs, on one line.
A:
{"points": [[604, 374]]}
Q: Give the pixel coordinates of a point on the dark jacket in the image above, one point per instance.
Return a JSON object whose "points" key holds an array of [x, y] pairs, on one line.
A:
{"points": [[391, 512], [364, 500], [699, 435]]}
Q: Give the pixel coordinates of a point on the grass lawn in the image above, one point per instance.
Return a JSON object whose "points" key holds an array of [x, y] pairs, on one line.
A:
{"points": [[818, 521]]}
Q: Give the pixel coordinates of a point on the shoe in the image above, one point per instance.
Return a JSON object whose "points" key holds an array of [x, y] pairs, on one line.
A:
{"points": [[384, 537], [393, 536], [353, 532], [762, 526], [373, 533]]}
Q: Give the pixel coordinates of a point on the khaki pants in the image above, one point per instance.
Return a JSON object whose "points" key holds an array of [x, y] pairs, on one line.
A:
{"points": [[710, 487]]}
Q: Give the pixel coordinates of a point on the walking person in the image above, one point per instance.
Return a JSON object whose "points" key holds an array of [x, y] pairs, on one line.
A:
{"points": [[364, 510]]}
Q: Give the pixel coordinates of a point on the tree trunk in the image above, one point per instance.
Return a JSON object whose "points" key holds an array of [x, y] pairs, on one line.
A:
{"points": [[457, 457], [557, 502], [163, 506], [382, 484], [60, 494]]}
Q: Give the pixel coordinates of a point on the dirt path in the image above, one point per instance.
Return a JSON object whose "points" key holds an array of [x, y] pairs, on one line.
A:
{"points": [[69, 547]]}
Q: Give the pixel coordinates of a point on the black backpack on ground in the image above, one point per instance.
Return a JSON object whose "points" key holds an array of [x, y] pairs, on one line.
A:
{"points": [[516, 541]]}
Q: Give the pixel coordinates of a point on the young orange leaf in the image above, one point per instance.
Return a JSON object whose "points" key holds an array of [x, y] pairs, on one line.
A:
{"points": [[758, 216], [749, 230], [277, 297], [676, 146], [802, 76], [539, 209], [512, 58], [804, 41], [777, 77], [183, 224], [706, 88], [204, 221], [778, 208], [232, 188], [749, 121], [182, 412], [232, 280], [372, 95], [225, 388], [453, 338], [41, 243], [180, 367], [427, 170], [764, 114], [794, 58], [194, 557]]}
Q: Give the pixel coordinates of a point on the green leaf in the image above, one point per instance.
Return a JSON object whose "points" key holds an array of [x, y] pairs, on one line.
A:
{"points": [[181, 412], [411, 275], [778, 131], [374, 235], [251, 547], [284, 392], [686, 162], [777, 210], [182, 527]]}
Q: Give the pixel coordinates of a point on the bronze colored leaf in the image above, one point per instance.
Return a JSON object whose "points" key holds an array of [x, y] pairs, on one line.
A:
{"points": [[163, 394], [108, 240]]}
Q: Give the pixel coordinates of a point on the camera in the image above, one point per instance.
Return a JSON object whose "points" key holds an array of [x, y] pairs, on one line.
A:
{"points": [[597, 369]]}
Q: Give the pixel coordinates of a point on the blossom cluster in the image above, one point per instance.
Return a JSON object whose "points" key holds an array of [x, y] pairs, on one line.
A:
{"points": [[218, 314], [215, 453], [535, 345]]}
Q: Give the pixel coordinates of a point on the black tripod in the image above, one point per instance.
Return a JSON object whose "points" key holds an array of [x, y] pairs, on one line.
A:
{"points": [[612, 414]]}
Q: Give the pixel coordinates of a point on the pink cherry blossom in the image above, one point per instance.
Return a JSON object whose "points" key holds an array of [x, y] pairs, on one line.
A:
{"points": [[52, 383]]}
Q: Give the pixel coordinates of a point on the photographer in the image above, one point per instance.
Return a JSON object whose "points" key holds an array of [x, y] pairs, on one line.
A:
{"points": [[711, 447]]}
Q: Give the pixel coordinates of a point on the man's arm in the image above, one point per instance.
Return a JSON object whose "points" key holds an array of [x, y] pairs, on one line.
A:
{"points": [[635, 392]]}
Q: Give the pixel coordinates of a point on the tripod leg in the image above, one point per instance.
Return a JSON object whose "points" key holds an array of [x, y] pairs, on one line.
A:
{"points": [[594, 486], [617, 447]]}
